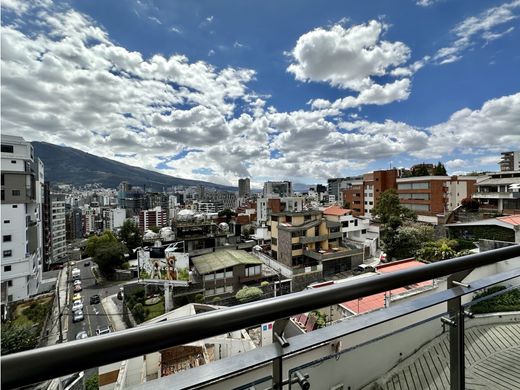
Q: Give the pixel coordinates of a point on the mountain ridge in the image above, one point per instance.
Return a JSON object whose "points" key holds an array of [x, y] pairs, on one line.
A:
{"points": [[67, 165]]}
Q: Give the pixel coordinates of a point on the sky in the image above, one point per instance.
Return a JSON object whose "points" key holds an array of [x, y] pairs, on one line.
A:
{"points": [[272, 90]]}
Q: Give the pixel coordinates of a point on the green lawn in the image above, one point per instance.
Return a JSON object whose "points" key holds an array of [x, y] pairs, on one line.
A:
{"points": [[154, 310]]}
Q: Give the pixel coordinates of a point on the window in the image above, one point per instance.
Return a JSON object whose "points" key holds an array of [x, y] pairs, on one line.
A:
{"points": [[3, 179], [13, 161], [6, 238], [9, 283], [7, 149], [364, 231], [274, 241], [15, 206], [7, 221], [16, 192], [288, 219], [253, 270], [7, 268], [296, 246]]}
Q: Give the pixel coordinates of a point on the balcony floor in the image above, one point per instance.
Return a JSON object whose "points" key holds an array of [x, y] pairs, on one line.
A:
{"points": [[492, 356]]}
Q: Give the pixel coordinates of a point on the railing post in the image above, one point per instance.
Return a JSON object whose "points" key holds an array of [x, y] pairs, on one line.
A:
{"points": [[278, 373]]}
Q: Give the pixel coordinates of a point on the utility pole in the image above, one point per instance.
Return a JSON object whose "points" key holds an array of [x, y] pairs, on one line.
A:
{"points": [[60, 340]]}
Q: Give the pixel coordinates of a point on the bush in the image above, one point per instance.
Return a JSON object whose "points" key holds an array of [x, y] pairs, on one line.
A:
{"points": [[199, 298], [18, 338], [509, 301], [216, 300], [139, 313], [265, 283], [92, 382], [247, 294]]}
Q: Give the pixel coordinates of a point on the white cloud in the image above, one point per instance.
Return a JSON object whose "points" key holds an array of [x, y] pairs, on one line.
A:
{"points": [[175, 30], [483, 26], [154, 19], [425, 3], [455, 164], [346, 58]]}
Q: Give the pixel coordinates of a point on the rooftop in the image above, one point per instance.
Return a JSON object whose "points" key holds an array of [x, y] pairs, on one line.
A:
{"points": [[511, 219], [222, 259], [336, 210]]}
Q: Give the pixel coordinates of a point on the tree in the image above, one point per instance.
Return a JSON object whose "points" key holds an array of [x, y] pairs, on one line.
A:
{"points": [[247, 294], [470, 204], [107, 252], [227, 213], [138, 313], [155, 229], [131, 235], [440, 250], [404, 241], [439, 170], [419, 170], [17, 338], [389, 210]]}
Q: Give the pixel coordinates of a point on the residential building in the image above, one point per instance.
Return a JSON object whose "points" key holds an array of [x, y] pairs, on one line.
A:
{"points": [[354, 198], [22, 196], [352, 228], [510, 161], [46, 226], [503, 229], [228, 199], [74, 219], [281, 189], [224, 271], [335, 186], [306, 239], [459, 188], [113, 218], [426, 195], [244, 188], [375, 184], [267, 205], [152, 218], [130, 199], [499, 192], [58, 228]]}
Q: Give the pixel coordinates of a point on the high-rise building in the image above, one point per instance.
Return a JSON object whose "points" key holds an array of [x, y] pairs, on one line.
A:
{"points": [[22, 190], [244, 188], [510, 161], [58, 230], [277, 188], [152, 218], [335, 186]]}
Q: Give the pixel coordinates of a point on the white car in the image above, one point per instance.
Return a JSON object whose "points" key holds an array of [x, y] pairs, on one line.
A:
{"points": [[78, 316], [77, 305], [77, 282]]}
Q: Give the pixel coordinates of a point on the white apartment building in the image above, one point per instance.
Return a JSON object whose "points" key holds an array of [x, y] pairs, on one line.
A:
{"points": [[368, 198], [22, 251], [277, 188], [58, 228], [352, 228], [265, 206], [114, 218]]}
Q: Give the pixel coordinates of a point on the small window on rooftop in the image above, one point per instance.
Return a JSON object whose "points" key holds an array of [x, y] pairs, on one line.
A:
{"points": [[7, 149]]}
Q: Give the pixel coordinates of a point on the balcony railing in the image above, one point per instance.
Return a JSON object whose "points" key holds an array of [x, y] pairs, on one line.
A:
{"points": [[280, 364]]}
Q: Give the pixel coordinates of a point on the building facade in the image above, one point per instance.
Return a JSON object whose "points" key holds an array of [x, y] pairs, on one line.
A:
{"points": [[510, 161], [335, 186], [499, 192], [281, 189], [58, 228], [152, 218], [22, 195], [244, 188]]}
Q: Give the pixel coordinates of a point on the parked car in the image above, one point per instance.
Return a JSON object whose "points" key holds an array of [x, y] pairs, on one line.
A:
{"points": [[76, 282], [81, 335], [72, 263], [77, 288], [78, 315], [76, 297], [120, 293], [362, 268], [77, 305], [383, 258], [86, 263], [94, 299], [103, 330]]}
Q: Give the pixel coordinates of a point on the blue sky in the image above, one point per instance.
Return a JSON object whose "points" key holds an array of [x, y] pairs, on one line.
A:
{"points": [[300, 90]]}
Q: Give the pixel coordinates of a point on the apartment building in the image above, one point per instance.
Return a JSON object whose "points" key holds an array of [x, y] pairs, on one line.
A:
{"points": [[58, 228], [244, 188], [375, 184], [510, 161], [426, 195], [336, 186], [277, 188], [459, 188], [499, 192], [113, 218], [268, 205], [352, 228], [22, 196], [354, 198], [306, 239], [74, 221], [150, 218]]}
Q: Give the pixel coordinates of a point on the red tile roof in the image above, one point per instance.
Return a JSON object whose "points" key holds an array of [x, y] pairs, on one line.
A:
{"points": [[336, 210], [511, 219], [377, 301]]}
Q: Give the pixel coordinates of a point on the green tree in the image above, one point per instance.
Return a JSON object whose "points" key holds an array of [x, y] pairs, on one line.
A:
{"points": [[439, 170], [16, 338], [227, 213], [247, 294], [138, 312], [155, 229], [131, 235], [107, 252], [389, 210], [419, 170], [406, 240]]}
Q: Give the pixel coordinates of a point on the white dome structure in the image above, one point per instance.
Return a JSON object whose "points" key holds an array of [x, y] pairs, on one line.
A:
{"points": [[149, 235], [223, 226], [185, 215]]}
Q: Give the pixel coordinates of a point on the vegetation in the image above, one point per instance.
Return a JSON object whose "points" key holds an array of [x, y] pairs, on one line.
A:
{"points": [[420, 170], [442, 250], [248, 230], [248, 294], [227, 213], [92, 382], [470, 204], [141, 311], [199, 298], [18, 338], [155, 229], [439, 170], [321, 319], [130, 235], [509, 301], [107, 252]]}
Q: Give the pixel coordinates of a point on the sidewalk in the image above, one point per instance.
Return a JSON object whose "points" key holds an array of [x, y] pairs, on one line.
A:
{"points": [[114, 309], [53, 326]]}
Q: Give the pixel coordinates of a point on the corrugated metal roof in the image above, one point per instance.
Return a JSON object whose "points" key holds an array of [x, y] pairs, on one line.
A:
{"points": [[221, 259], [511, 219], [499, 181]]}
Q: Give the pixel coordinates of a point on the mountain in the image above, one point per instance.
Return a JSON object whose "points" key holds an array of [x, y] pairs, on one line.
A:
{"points": [[72, 166]]}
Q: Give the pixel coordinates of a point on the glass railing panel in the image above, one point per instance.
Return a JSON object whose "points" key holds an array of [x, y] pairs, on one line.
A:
{"points": [[414, 356], [260, 384], [492, 336]]}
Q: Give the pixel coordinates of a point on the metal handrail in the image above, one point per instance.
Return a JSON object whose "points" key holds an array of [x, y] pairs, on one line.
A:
{"points": [[62, 359]]}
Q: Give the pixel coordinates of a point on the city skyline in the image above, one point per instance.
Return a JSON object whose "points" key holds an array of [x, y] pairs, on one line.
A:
{"points": [[218, 93]]}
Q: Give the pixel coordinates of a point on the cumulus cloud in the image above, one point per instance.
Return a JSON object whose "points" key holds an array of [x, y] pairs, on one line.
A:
{"points": [[353, 58], [482, 27]]}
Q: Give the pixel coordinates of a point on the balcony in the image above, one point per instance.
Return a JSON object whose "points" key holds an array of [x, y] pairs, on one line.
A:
{"points": [[496, 195], [307, 240], [336, 253], [433, 341]]}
